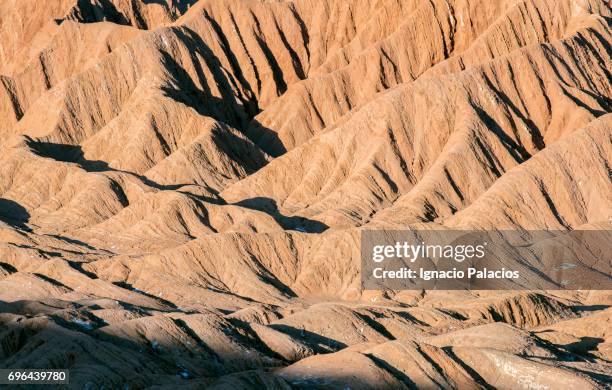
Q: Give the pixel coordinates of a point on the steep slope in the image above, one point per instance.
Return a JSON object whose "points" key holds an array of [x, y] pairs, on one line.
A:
{"points": [[184, 186]]}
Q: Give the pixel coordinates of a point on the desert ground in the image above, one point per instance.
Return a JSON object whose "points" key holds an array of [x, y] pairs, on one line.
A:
{"points": [[184, 185]]}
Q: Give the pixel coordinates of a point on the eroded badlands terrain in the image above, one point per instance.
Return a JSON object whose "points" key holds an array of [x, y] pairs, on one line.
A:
{"points": [[183, 185]]}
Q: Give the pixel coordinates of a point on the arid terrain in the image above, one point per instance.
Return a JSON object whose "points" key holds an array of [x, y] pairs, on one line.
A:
{"points": [[183, 185]]}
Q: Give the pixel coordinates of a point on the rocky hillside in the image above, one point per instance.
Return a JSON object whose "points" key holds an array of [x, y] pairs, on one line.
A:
{"points": [[183, 185]]}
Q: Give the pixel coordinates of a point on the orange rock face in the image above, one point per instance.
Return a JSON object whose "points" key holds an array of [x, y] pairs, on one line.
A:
{"points": [[183, 185]]}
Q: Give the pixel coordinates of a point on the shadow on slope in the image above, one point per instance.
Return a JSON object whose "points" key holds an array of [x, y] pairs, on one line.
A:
{"points": [[13, 213], [237, 109], [180, 5], [74, 154], [93, 12], [270, 207], [69, 337]]}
